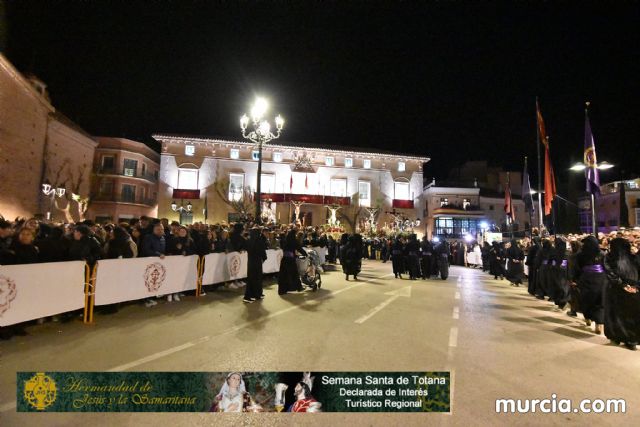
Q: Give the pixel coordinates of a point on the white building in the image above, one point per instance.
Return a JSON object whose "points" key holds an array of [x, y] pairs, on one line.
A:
{"points": [[193, 169]]}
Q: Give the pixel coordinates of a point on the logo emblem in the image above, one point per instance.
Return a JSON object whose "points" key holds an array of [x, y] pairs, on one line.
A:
{"points": [[40, 391], [234, 262], [8, 293], [154, 276]]}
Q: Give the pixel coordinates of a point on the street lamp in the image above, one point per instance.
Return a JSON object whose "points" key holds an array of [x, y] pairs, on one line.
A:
{"points": [[52, 193], [261, 134], [579, 167]]}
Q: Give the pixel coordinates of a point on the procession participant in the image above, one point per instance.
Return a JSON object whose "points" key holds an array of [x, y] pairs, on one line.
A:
{"points": [[496, 261], [531, 263], [413, 264], [397, 257], [574, 292], [288, 277], [351, 257], [426, 251], [256, 256], [592, 282], [486, 250], [515, 270], [622, 298], [557, 277], [543, 264]]}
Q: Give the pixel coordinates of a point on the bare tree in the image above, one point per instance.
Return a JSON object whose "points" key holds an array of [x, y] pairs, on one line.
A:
{"points": [[350, 214], [242, 203]]}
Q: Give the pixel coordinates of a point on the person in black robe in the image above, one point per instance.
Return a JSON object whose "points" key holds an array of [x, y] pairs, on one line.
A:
{"points": [[496, 260], [351, 257], [531, 263], [485, 251], [592, 282], [256, 256], [515, 270], [397, 258], [557, 277], [574, 292], [413, 261], [288, 277], [543, 263], [622, 298], [426, 257]]}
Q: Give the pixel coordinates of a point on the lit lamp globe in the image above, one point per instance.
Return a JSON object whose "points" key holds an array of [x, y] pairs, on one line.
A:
{"points": [[174, 205], [259, 109]]}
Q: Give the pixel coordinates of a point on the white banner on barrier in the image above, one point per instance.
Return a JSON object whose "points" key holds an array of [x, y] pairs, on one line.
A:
{"points": [[220, 268], [32, 291], [137, 278]]}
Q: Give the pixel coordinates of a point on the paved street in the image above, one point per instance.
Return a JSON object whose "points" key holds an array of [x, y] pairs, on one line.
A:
{"points": [[497, 341]]}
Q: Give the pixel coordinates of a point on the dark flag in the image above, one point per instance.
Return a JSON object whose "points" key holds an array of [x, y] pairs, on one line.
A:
{"points": [[526, 190], [591, 171], [205, 210]]}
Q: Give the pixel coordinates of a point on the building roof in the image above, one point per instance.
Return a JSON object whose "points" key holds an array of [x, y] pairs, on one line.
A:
{"points": [[290, 145], [57, 115]]}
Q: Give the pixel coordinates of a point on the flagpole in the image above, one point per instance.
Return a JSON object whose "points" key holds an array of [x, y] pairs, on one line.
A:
{"points": [[526, 169], [541, 219], [594, 226]]}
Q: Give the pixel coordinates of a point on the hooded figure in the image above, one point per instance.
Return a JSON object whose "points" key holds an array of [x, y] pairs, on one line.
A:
{"points": [[288, 278], [543, 264], [515, 269], [622, 299], [592, 282], [256, 256], [496, 261]]}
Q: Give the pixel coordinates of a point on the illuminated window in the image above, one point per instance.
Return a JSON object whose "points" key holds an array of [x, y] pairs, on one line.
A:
{"points": [[130, 167], [277, 157], [236, 186], [339, 187], [366, 163], [255, 155], [268, 183], [234, 153], [444, 202], [401, 191], [348, 162], [364, 191], [189, 150], [188, 179], [329, 161], [401, 167]]}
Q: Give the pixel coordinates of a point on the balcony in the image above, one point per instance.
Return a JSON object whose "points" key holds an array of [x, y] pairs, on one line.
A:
{"points": [[402, 204], [118, 198], [129, 173]]}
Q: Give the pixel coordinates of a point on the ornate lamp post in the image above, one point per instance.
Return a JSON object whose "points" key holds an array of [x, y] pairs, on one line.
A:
{"points": [[52, 193], [261, 134]]}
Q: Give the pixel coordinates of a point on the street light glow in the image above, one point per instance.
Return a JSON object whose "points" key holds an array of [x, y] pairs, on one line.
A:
{"points": [[259, 108], [264, 128], [605, 165], [578, 167]]}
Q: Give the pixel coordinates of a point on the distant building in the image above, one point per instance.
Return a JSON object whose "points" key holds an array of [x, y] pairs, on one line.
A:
{"points": [[126, 180], [39, 145], [608, 206], [199, 169]]}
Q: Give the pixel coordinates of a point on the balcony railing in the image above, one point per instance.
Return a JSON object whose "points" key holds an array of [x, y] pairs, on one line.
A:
{"points": [[119, 198], [127, 173]]}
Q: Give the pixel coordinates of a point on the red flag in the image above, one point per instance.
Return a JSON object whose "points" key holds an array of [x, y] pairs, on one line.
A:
{"points": [[508, 202], [549, 176], [306, 181], [291, 184]]}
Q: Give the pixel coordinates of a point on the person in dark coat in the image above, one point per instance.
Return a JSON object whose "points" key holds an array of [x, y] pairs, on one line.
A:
{"points": [[574, 293], [181, 243], [22, 250], [236, 242], [515, 268], [543, 264], [592, 282], [486, 249], [412, 250], [558, 278], [351, 257], [496, 261], [622, 298], [426, 257], [397, 257], [121, 246], [531, 263], [51, 246], [83, 246], [288, 277], [256, 256], [331, 249]]}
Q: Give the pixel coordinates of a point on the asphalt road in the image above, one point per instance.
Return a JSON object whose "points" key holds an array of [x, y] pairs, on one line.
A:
{"points": [[497, 341]]}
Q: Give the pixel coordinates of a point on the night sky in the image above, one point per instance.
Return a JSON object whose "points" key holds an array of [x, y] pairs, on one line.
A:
{"points": [[451, 81]]}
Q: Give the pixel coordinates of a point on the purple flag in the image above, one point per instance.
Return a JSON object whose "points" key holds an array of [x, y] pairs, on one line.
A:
{"points": [[591, 171]]}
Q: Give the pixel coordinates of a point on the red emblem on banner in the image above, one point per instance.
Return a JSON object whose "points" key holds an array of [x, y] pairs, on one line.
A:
{"points": [[154, 276], [233, 263], [8, 293]]}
